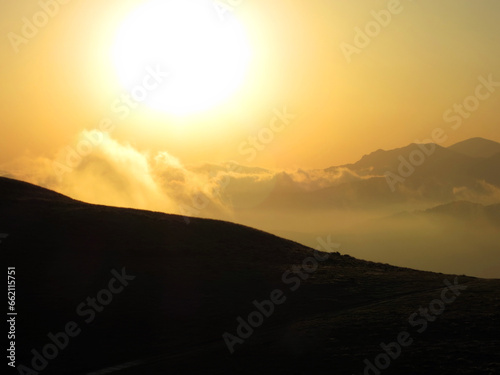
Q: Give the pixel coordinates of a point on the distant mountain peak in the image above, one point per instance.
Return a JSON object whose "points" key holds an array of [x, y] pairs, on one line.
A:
{"points": [[477, 147], [383, 160]]}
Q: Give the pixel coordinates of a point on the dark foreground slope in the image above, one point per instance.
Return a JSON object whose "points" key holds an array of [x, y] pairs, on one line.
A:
{"points": [[188, 283]]}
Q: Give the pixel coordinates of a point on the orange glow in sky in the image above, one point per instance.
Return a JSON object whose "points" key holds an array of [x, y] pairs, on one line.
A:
{"points": [[357, 76]]}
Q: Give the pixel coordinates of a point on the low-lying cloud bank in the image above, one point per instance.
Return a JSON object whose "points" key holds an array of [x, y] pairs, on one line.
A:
{"points": [[118, 174], [101, 170]]}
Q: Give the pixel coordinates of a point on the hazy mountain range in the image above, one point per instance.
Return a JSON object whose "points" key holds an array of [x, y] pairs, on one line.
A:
{"points": [[466, 170], [442, 217]]}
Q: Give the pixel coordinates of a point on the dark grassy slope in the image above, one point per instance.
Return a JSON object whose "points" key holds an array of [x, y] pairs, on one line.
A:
{"points": [[193, 281]]}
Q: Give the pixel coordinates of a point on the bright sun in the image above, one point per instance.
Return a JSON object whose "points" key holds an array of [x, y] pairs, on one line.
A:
{"points": [[206, 56]]}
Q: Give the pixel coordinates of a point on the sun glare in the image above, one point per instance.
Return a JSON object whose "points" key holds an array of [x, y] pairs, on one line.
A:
{"points": [[204, 57]]}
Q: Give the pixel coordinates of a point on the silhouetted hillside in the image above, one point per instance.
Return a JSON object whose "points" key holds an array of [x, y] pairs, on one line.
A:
{"points": [[185, 285]]}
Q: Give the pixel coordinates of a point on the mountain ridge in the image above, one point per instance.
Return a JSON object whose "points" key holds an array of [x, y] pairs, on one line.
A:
{"points": [[477, 147]]}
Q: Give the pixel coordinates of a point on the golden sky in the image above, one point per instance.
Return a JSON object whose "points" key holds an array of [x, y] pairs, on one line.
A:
{"points": [[422, 58]]}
